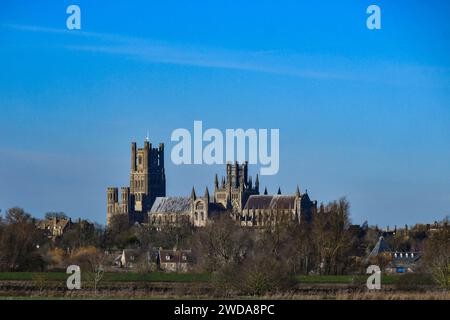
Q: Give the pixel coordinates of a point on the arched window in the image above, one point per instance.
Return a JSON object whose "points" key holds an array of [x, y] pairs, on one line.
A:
{"points": [[199, 206]]}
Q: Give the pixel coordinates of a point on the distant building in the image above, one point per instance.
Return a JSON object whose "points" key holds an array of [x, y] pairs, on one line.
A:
{"points": [[263, 210], [236, 195], [235, 189], [170, 211], [175, 260], [127, 259], [380, 247], [389, 233], [134, 258], [203, 210], [147, 182], [54, 227], [404, 262], [399, 262]]}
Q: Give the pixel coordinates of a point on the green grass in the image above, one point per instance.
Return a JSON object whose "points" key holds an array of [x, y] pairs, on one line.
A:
{"points": [[27, 276], [112, 276], [344, 279], [190, 277]]}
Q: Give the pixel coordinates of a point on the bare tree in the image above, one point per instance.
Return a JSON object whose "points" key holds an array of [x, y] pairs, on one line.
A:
{"points": [[120, 234], [331, 236], [437, 255], [91, 262], [221, 243], [20, 241]]}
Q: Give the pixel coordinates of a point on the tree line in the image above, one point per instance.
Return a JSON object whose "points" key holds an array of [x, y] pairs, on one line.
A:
{"points": [[248, 260]]}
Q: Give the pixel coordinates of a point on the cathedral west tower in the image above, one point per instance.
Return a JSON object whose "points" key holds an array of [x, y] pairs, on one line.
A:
{"points": [[147, 181]]}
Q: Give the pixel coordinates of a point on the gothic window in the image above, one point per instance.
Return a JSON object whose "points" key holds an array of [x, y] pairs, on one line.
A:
{"points": [[203, 216], [196, 216]]}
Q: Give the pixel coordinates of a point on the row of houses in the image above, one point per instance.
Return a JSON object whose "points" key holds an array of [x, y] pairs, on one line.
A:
{"points": [[174, 260]]}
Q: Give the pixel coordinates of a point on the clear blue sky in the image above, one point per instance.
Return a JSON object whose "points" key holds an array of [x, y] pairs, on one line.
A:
{"points": [[363, 114]]}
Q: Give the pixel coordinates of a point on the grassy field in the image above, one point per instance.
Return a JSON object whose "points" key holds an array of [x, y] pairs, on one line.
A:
{"points": [[157, 285], [187, 277], [113, 276], [344, 279]]}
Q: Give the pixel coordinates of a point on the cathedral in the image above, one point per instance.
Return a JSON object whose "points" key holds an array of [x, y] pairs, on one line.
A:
{"points": [[145, 200]]}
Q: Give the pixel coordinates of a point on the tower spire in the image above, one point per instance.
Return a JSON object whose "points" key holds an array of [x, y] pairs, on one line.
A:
{"points": [[216, 182], [297, 191], [206, 195], [193, 195]]}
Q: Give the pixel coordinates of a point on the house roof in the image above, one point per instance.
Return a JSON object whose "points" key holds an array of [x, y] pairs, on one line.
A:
{"points": [[171, 205], [175, 256], [380, 247], [53, 223], [270, 202], [212, 206], [131, 254]]}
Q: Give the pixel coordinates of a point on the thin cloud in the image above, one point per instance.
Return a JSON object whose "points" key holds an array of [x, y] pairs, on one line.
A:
{"points": [[317, 67], [161, 52]]}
